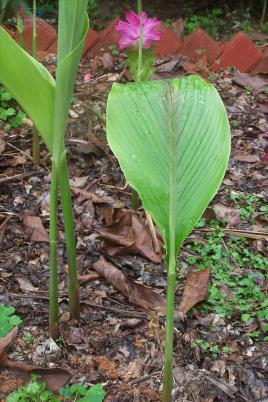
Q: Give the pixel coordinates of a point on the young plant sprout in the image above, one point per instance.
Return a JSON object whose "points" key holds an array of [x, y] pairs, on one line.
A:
{"points": [[172, 140], [47, 103], [36, 145]]}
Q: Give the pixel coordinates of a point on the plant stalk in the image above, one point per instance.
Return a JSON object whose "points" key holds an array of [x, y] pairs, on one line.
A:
{"points": [[168, 377], [263, 14], [135, 199], [66, 202], [35, 145], [53, 277]]}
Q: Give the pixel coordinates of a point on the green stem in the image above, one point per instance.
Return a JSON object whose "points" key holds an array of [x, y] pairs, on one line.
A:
{"points": [[263, 12], [66, 202], [36, 146], [168, 377], [135, 199], [53, 277], [140, 67]]}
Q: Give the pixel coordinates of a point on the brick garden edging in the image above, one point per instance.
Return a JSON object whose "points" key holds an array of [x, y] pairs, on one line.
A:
{"points": [[239, 52]]}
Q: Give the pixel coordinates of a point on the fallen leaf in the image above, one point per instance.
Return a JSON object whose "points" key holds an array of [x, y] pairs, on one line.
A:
{"points": [[136, 293], [243, 156], [107, 61], [128, 235], [87, 277], [224, 213], [2, 145], [88, 195], [25, 284], [78, 181], [257, 83], [55, 377], [5, 341], [34, 227], [13, 161], [195, 290]]}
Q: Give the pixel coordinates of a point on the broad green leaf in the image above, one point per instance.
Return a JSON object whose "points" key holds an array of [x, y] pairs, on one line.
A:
{"points": [[172, 140], [29, 83]]}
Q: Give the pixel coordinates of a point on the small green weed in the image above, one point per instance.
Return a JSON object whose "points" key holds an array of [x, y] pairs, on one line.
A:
{"points": [[210, 348], [7, 320], [8, 113], [247, 205], [212, 22], [35, 391], [237, 271]]}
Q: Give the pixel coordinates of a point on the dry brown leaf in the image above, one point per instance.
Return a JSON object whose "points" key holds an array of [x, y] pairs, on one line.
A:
{"points": [[195, 290], [2, 145], [13, 161], [136, 293], [128, 235], [88, 277], [25, 284], [246, 80], [88, 195], [34, 227], [242, 156], [5, 341], [107, 61], [223, 212], [55, 377]]}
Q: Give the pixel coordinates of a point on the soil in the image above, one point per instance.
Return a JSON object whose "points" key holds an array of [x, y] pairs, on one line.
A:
{"points": [[117, 343]]}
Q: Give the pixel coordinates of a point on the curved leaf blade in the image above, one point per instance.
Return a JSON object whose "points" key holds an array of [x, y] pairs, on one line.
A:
{"points": [[30, 84], [172, 140]]}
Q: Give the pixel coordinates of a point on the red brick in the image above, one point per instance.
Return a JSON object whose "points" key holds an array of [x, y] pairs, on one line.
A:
{"points": [[91, 39], [169, 43], [200, 40], [239, 52], [53, 47], [262, 66], [108, 36], [46, 34]]}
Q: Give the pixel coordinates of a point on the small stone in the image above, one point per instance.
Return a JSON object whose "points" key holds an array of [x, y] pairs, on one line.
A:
{"points": [[73, 114]]}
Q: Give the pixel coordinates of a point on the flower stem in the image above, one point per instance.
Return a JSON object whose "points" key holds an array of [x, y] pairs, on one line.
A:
{"points": [[135, 200], [139, 75], [66, 202], [53, 277]]}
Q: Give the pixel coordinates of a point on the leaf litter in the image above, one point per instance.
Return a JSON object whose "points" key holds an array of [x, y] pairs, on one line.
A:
{"points": [[217, 356]]}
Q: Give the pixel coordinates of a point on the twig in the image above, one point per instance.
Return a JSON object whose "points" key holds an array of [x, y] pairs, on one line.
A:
{"points": [[237, 232], [153, 233], [144, 378], [20, 176]]}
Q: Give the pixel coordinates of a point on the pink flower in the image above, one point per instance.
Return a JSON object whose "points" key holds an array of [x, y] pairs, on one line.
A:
{"points": [[130, 31], [87, 77]]}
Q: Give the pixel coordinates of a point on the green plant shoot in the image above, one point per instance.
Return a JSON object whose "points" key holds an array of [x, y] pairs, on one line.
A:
{"points": [[172, 140], [47, 103]]}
